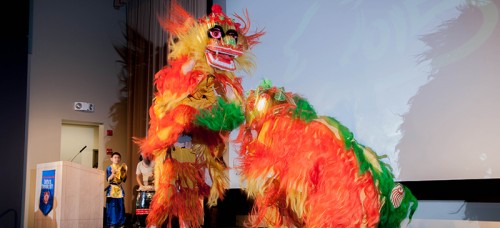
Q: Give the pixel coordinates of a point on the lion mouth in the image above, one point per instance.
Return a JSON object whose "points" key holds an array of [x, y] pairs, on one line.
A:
{"points": [[221, 57]]}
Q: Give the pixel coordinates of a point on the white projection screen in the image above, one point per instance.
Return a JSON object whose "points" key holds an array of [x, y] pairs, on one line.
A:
{"points": [[418, 81]]}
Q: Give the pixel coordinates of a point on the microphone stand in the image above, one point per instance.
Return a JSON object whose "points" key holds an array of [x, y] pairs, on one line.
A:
{"points": [[78, 153]]}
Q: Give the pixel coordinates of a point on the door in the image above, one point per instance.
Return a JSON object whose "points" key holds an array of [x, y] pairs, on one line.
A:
{"points": [[80, 143]]}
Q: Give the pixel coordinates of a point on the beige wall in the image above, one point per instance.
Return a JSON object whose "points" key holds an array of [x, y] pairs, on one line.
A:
{"points": [[73, 59]]}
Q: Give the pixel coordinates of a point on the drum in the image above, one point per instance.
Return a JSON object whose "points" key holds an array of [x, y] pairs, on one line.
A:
{"points": [[142, 206]]}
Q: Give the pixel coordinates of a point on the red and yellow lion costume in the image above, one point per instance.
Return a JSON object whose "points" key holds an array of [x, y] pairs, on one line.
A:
{"points": [[306, 170], [197, 103]]}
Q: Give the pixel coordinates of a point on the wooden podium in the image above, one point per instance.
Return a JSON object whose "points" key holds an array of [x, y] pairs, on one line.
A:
{"points": [[78, 196]]}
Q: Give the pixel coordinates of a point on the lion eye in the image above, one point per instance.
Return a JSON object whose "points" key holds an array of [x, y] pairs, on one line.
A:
{"points": [[216, 32], [233, 34]]}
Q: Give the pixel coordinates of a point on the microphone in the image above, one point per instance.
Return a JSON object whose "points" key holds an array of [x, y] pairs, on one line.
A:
{"points": [[78, 153]]}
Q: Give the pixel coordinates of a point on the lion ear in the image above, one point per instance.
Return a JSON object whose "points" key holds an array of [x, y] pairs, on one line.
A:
{"points": [[178, 20]]}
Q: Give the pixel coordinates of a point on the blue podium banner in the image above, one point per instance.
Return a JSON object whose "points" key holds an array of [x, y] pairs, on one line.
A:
{"points": [[47, 191]]}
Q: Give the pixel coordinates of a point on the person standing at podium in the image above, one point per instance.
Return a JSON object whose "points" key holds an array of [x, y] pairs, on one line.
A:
{"points": [[116, 174]]}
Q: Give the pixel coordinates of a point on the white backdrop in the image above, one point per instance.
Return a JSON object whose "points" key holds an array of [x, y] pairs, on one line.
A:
{"points": [[415, 80]]}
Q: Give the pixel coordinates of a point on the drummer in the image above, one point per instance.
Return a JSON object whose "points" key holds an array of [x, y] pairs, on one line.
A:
{"points": [[145, 178], [145, 174]]}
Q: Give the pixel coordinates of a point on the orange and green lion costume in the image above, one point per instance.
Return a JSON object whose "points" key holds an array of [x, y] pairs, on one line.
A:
{"points": [[305, 170]]}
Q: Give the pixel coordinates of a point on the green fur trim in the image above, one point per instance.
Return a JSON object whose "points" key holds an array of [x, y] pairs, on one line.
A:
{"points": [[384, 179], [223, 116], [304, 110], [392, 217], [350, 143]]}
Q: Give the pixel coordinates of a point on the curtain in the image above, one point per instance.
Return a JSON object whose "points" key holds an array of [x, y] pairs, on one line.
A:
{"points": [[146, 53]]}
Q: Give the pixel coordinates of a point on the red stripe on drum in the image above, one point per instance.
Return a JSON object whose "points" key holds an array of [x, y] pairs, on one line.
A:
{"points": [[141, 211]]}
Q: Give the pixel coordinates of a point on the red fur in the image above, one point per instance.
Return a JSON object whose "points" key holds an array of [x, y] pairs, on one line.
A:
{"points": [[308, 156]]}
